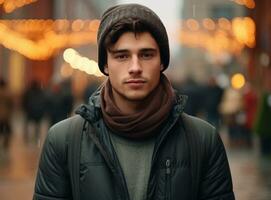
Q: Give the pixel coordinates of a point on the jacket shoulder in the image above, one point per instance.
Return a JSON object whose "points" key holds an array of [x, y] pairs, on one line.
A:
{"points": [[59, 134], [53, 179], [202, 126], [62, 128], [203, 132]]}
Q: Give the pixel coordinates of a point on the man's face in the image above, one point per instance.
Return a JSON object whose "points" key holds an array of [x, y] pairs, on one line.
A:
{"points": [[133, 66]]}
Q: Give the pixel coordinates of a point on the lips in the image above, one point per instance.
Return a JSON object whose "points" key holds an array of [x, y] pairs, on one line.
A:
{"points": [[135, 83]]}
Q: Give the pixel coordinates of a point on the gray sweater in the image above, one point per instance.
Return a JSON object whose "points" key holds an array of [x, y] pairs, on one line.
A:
{"points": [[135, 159]]}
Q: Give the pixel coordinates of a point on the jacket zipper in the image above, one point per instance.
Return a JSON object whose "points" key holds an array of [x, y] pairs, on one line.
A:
{"points": [[155, 152], [168, 179], [120, 180], [114, 169], [123, 183]]}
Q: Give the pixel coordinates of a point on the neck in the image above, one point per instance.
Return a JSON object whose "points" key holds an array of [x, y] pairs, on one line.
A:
{"points": [[128, 106]]}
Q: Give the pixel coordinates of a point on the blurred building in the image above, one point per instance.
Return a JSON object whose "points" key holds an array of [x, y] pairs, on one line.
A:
{"points": [[211, 9], [229, 37], [35, 33], [259, 70], [214, 37]]}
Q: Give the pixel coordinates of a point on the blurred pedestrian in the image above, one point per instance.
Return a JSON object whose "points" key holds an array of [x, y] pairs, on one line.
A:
{"points": [[232, 111], [5, 115], [250, 101], [196, 97], [59, 102], [34, 103], [92, 86], [213, 97], [133, 139]]}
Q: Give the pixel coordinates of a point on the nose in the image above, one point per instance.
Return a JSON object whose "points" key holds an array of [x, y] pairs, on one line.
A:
{"points": [[135, 66]]}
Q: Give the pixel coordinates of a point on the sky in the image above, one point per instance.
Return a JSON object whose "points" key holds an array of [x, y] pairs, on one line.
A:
{"points": [[169, 11]]}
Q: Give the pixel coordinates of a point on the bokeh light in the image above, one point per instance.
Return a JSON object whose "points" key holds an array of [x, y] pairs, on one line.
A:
{"points": [[238, 81]]}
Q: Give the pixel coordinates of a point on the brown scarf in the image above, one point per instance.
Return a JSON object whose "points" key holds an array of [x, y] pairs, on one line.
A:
{"points": [[142, 124]]}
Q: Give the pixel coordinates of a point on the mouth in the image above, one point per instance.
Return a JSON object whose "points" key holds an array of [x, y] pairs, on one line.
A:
{"points": [[135, 83]]}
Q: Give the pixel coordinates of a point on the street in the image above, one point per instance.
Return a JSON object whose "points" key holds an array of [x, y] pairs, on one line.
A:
{"points": [[251, 172]]}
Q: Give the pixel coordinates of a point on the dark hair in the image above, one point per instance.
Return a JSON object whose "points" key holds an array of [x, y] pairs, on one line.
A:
{"points": [[126, 25]]}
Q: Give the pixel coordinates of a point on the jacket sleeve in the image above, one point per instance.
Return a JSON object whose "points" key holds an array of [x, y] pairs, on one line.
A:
{"points": [[216, 181], [52, 180]]}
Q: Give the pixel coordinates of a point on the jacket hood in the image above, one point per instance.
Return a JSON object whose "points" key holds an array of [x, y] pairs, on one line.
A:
{"points": [[92, 111]]}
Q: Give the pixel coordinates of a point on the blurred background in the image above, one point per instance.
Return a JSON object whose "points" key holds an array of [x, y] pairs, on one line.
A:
{"points": [[220, 58]]}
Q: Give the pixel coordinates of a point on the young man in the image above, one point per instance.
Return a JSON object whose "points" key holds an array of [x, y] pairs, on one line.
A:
{"points": [[137, 143]]}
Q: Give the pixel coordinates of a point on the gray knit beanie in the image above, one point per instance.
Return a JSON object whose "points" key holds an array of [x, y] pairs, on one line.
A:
{"points": [[119, 12]]}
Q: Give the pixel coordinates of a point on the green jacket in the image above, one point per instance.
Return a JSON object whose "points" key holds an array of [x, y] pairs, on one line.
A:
{"points": [[101, 177]]}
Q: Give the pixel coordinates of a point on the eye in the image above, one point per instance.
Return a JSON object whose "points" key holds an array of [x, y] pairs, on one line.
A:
{"points": [[147, 55], [121, 56]]}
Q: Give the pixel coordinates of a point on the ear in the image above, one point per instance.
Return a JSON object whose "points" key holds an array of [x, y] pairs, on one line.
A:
{"points": [[106, 69], [161, 67]]}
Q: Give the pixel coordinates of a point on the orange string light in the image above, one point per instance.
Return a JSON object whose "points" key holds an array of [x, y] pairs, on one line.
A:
{"points": [[40, 39], [248, 3], [11, 5], [220, 36]]}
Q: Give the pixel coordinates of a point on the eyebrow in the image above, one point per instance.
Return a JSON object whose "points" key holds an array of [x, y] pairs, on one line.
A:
{"points": [[112, 51]]}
